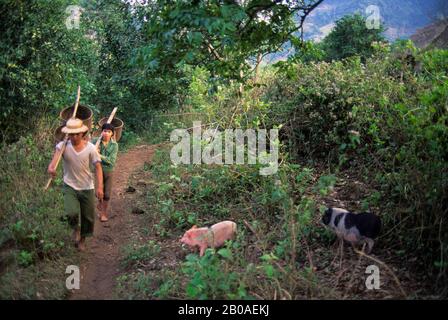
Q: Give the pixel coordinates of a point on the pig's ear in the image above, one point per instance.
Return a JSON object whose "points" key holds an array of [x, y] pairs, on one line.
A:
{"points": [[193, 227]]}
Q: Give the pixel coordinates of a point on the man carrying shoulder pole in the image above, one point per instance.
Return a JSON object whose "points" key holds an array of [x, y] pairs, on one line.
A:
{"points": [[79, 195]]}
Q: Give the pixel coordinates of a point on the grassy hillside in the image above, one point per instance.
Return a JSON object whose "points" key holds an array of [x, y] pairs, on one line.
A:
{"points": [[362, 137], [364, 132]]}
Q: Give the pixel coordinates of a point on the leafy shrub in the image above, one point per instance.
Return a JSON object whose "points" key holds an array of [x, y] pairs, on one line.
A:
{"points": [[386, 116], [211, 277], [31, 228], [140, 254]]}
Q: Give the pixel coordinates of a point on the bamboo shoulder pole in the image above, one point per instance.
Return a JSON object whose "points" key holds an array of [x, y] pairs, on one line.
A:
{"points": [[78, 95], [112, 115], [61, 152]]}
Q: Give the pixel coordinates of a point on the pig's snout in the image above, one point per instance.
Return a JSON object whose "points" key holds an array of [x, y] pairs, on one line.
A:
{"points": [[183, 239]]}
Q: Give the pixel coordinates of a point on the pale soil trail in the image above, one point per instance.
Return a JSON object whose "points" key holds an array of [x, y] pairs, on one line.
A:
{"points": [[101, 261]]}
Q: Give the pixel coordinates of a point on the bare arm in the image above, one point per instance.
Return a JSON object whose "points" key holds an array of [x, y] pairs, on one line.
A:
{"points": [[52, 166], [99, 177]]}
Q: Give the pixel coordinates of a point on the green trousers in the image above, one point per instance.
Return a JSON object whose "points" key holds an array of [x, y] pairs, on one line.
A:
{"points": [[80, 203]]}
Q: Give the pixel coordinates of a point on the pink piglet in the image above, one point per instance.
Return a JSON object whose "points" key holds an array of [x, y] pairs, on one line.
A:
{"points": [[213, 237]]}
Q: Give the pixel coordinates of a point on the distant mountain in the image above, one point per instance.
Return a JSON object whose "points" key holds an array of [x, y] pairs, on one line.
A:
{"points": [[401, 17], [435, 34], [442, 40]]}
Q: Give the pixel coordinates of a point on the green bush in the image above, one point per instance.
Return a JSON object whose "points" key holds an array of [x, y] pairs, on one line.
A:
{"points": [[140, 254], [211, 278], [350, 37], [383, 117], [387, 117], [31, 228], [31, 214]]}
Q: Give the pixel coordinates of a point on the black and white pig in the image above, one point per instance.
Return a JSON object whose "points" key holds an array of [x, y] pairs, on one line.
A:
{"points": [[355, 228]]}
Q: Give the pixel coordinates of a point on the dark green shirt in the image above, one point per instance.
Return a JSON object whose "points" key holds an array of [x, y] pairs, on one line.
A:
{"points": [[108, 154]]}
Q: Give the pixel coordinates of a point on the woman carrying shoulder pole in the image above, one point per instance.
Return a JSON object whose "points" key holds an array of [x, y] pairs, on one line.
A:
{"points": [[108, 151]]}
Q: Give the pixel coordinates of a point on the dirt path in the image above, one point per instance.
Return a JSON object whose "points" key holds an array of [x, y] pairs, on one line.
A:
{"points": [[101, 261]]}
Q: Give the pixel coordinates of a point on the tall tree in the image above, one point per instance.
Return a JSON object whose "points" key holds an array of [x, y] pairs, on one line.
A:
{"points": [[227, 37], [351, 36], [42, 60]]}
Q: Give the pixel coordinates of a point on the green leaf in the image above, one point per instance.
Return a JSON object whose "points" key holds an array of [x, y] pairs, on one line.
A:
{"points": [[269, 270], [192, 290], [226, 253]]}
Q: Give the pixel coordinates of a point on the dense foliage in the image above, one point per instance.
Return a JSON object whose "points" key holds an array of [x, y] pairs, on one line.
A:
{"points": [[228, 37], [352, 105], [387, 120], [351, 36], [42, 61]]}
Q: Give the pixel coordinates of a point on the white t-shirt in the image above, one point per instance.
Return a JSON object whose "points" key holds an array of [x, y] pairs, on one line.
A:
{"points": [[77, 173]]}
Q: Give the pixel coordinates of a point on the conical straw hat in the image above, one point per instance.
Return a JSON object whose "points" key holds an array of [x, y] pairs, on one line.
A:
{"points": [[74, 125]]}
